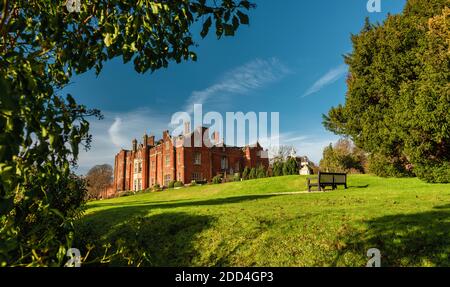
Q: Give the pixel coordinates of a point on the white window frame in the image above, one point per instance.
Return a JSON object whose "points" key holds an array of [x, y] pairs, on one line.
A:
{"points": [[197, 158]]}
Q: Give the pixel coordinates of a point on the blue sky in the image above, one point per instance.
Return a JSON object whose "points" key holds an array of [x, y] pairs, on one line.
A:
{"points": [[289, 60]]}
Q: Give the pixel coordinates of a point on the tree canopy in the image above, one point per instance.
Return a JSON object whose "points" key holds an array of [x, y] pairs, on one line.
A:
{"points": [[343, 157], [398, 95], [98, 179], [42, 45]]}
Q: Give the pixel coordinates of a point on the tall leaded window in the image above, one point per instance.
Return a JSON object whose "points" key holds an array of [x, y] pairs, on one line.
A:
{"points": [[197, 176], [167, 160], [197, 158], [224, 163]]}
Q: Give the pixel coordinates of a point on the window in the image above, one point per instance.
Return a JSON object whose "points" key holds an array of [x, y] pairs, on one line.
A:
{"points": [[197, 176], [224, 163], [137, 166], [153, 164], [167, 160], [167, 145], [178, 158], [237, 167], [137, 184], [197, 158]]}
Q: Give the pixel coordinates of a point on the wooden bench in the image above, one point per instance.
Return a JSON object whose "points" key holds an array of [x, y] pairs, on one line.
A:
{"points": [[325, 179]]}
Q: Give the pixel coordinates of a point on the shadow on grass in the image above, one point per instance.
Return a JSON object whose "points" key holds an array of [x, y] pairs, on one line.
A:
{"points": [[118, 211], [165, 239], [135, 202], [358, 186], [160, 240], [419, 239]]}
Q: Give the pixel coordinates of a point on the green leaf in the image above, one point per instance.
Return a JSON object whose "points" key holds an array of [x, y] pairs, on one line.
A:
{"points": [[235, 22], [108, 40], [229, 30], [193, 56], [243, 18], [206, 27], [6, 205]]}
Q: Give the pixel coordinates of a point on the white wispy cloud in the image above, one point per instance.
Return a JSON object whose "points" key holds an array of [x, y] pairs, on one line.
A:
{"points": [[250, 76], [116, 131], [329, 78]]}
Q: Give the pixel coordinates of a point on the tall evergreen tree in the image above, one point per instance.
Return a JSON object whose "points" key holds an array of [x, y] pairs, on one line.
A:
{"points": [[245, 173], [261, 172], [399, 94], [252, 174], [278, 168]]}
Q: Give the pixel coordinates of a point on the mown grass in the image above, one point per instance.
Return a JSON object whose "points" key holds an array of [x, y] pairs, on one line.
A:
{"points": [[250, 224]]}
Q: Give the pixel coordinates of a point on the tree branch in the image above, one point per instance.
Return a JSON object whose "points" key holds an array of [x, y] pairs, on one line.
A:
{"points": [[4, 14]]}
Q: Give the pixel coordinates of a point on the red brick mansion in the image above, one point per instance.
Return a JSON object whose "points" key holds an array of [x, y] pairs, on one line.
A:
{"points": [[180, 159]]}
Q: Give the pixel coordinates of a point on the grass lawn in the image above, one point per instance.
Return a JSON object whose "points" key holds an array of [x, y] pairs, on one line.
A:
{"points": [[251, 224]]}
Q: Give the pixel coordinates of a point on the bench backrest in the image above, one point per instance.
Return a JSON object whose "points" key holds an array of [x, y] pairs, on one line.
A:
{"points": [[332, 178]]}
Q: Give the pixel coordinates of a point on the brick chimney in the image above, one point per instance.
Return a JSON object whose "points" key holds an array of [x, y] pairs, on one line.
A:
{"points": [[165, 134], [187, 127], [134, 144], [151, 140], [145, 140]]}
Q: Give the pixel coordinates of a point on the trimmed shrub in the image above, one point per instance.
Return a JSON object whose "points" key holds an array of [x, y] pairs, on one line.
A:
{"points": [[245, 173], [217, 179], [384, 166], [285, 168], [171, 184], [252, 174], [433, 173], [237, 177], [278, 168], [261, 172], [178, 184], [126, 193]]}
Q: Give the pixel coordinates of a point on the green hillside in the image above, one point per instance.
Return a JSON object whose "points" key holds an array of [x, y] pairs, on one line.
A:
{"points": [[272, 222]]}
